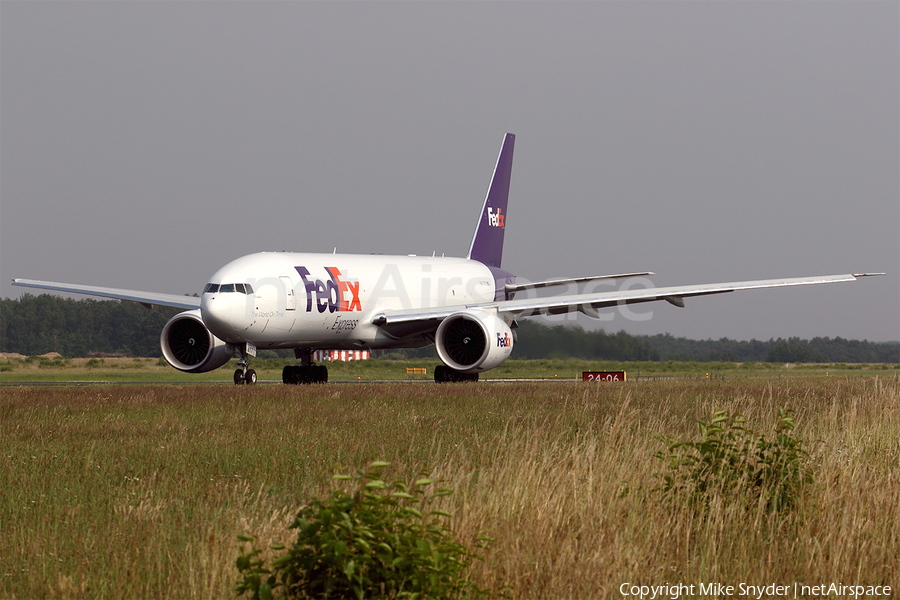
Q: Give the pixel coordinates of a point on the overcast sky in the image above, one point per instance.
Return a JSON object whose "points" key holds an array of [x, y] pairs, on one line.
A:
{"points": [[146, 144]]}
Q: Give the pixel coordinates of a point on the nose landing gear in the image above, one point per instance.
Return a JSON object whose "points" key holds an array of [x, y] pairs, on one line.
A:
{"points": [[248, 377], [244, 374]]}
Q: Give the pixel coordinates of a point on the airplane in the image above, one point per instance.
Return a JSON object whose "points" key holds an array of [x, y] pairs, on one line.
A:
{"points": [[466, 307]]}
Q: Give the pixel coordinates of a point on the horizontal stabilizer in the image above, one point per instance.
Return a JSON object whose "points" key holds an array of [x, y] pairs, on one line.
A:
{"points": [[512, 288]]}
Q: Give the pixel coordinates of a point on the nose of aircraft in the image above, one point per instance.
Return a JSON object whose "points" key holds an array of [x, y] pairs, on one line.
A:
{"points": [[216, 310]]}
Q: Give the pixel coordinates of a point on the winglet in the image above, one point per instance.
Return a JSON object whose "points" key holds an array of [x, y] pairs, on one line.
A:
{"points": [[487, 243]]}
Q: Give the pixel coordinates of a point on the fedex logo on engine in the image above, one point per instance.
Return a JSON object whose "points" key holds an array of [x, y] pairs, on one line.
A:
{"points": [[330, 295], [504, 341], [495, 219]]}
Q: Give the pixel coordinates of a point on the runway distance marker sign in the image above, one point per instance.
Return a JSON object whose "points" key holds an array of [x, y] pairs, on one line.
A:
{"points": [[603, 376]]}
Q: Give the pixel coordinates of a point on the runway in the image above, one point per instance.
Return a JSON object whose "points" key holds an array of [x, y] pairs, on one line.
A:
{"points": [[264, 382]]}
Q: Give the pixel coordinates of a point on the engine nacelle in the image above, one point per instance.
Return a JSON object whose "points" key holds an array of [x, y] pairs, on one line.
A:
{"points": [[472, 341], [188, 345]]}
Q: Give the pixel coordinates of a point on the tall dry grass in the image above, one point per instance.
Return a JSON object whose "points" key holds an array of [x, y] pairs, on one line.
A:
{"points": [[570, 500], [141, 491]]}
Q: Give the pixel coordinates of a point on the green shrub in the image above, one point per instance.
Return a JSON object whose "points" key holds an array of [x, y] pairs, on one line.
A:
{"points": [[55, 363], [378, 542], [731, 461]]}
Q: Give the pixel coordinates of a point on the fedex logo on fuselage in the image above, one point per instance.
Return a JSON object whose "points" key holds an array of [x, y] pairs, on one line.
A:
{"points": [[495, 219], [504, 341], [330, 295]]}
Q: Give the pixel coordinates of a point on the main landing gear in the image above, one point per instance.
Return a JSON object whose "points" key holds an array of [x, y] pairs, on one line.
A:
{"points": [[306, 372], [444, 374], [244, 374]]}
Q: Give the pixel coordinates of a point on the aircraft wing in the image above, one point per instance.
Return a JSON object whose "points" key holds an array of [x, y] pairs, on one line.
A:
{"points": [[145, 298], [400, 320], [589, 303]]}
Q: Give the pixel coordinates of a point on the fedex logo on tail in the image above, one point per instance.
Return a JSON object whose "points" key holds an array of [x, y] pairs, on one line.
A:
{"points": [[504, 341], [495, 219], [330, 295]]}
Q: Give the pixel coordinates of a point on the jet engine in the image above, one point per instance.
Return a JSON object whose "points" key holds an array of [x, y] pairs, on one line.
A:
{"points": [[472, 341], [188, 345]]}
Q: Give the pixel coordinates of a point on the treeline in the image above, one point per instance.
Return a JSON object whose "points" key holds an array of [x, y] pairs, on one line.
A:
{"points": [[34, 325], [791, 350], [538, 340]]}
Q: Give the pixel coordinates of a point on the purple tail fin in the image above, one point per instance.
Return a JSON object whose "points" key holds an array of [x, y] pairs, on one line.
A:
{"points": [[487, 243]]}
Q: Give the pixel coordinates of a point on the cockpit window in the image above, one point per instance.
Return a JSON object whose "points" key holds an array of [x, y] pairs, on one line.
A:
{"points": [[242, 288]]}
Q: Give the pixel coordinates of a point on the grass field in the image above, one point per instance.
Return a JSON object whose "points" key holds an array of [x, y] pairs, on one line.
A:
{"points": [[139, 491]]}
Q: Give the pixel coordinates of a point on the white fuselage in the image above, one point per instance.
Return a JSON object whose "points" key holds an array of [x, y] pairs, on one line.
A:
{"points": [[287, 300]]}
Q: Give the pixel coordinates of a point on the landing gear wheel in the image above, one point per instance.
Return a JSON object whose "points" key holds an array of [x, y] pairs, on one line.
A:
{"points": [[250, 377], [444, 374], [304, 374], [239, 377]]}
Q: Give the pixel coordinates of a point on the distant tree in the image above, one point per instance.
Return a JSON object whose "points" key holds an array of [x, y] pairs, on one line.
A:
{"points": [[39, 324], [795, 350], [537, 340]]}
